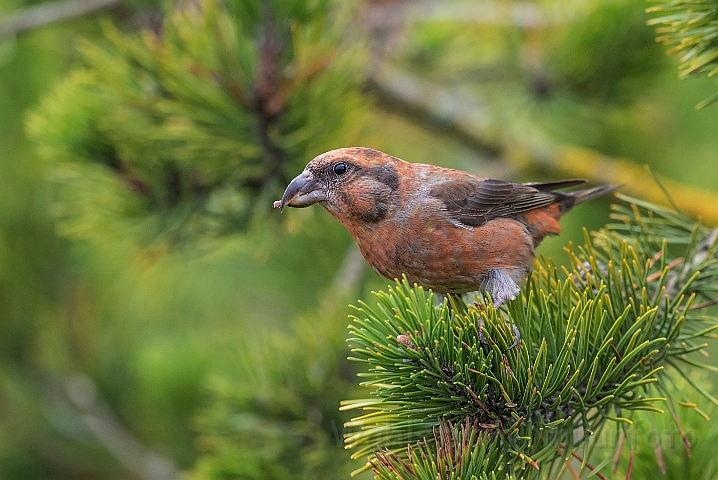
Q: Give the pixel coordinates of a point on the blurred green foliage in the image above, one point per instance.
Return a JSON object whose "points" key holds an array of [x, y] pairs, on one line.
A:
{"points": [[606, 68], [660, 445], [189, 130], [283, 422], [144, 129]]}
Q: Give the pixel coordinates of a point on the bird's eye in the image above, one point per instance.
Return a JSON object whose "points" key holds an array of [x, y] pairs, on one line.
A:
{"points": [[340, 168]]}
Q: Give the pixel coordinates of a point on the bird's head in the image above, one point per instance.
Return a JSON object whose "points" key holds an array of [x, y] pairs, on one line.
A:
{"points": [[355, 183]]}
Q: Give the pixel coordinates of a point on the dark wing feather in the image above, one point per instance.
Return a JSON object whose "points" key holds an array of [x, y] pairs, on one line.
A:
{"points": [[474, 203], [556, 184]]}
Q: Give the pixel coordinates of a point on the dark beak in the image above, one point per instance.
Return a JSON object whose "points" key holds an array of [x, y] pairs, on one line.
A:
{"points": [[301, 192]]}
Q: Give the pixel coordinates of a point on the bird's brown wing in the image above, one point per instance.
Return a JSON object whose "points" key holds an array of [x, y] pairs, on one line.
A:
{"points": [[475, 202]]}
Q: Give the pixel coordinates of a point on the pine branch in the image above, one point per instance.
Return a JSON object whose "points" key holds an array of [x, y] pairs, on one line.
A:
{"points": [[459, 453], [595, 338], [187, 132], [690, 27], [273, 414]]}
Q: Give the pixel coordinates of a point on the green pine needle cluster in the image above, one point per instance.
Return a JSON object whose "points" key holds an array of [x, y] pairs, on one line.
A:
{"points": [[460, 453], [599, 341], [188, 130], [273, 413], [690, 27]]}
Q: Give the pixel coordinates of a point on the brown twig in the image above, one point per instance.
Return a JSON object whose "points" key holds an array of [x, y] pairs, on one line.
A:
{"points": [[573, 472], [619, 449], [655, 258], [704, 304], [656, 275], [580, 459]]}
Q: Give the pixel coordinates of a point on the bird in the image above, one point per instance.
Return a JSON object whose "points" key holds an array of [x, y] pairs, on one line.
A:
{"points": [[444, 229]]}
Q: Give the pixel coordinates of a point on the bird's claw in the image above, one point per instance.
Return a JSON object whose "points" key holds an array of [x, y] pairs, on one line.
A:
{"points": [[517, 336], [482, 337]]}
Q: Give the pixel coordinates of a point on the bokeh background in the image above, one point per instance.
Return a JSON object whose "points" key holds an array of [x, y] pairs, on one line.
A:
{"points": [[157, 318]]}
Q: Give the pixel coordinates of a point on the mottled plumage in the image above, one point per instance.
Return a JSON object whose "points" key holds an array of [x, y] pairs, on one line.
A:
{"points": [[444, 229]]}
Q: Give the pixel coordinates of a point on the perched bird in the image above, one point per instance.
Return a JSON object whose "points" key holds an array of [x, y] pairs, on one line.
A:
{"points": [[444, 229]]}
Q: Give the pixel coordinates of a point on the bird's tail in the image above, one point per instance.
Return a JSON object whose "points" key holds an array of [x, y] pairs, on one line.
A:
{"points": [[567, 200], [572, 199], [587, 194]]}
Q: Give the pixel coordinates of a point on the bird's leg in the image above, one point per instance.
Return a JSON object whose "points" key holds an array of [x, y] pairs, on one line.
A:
{"points": [[439, 299], [482, 337], [502, 289], [455, 304], [517, 335]]}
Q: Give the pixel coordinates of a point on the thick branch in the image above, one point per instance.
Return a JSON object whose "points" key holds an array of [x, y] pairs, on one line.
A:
{"points": [[468, 121], [462, 118], [525, 15], [80, 392], [267, 103], [48, 13]]}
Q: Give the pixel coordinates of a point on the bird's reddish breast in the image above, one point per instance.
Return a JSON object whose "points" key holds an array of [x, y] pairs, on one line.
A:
{"points": [[418, 239]]}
